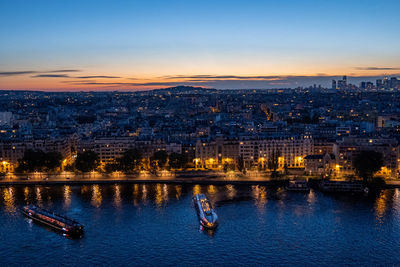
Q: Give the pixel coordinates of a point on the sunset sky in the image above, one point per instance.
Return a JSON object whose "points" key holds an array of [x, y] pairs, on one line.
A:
{"points": [[107, 45]]}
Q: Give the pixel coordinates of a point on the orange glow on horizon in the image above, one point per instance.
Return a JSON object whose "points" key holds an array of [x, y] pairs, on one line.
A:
{"points": [[159, 80]]}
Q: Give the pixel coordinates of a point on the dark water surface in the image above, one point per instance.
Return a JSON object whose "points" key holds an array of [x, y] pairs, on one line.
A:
{"points": [[156, 224]]}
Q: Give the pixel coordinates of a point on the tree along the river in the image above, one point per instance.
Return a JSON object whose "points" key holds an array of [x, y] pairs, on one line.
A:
{"points": [[367, 163], [87, 161], [112, 167], [177, 161], [52, 160], [130, 160], [37, 160], [158, 160]]}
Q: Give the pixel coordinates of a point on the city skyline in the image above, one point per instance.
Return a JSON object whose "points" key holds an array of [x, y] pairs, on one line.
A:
{"points": [[192, 133], [131, 45]]}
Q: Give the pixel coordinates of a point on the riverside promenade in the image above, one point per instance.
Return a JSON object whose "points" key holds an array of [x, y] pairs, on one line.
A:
{"points": [[170, 178], [215, 178]]}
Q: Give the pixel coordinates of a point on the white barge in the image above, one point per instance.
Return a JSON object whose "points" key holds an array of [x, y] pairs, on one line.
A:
{"points": [[207, 215]]}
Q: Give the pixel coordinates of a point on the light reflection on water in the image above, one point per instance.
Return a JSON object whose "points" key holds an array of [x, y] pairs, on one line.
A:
{"points": [[165, 193], [396, 205], [382, 204], [178, 190], [85, 189], [279, 227], [231, 192], [96, 196], [212, 189], [311, 197], [8, 195], [26, 193], [159, 197], [144, 193], [117, 196], [67, 196], [38, 192], [196, 190], [135, 194], [259, 194]]}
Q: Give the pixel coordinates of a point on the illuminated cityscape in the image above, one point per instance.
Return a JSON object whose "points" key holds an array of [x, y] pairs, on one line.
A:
{"points": [[206, 129], [199, 133]]}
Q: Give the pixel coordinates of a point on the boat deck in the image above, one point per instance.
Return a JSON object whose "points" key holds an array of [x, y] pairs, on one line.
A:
{"points": [[54, 216]]}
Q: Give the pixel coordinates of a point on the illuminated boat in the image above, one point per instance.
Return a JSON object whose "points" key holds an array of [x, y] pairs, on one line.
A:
{"points": [[58, 222], [207, 216]]}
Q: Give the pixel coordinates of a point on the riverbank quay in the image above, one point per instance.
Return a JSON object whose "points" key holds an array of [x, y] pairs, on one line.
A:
{"points": [[180, 181], [88, 181], [179, 177], [206, 180], [142, 177]]}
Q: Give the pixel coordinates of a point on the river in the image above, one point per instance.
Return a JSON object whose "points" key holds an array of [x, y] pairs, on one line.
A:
{"points": [[153, 225]]}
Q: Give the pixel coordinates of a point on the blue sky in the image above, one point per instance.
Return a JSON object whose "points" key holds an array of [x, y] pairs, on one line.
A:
{"points": [[143, 44]]}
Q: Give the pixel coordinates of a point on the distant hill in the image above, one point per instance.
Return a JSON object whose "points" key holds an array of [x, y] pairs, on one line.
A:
{"points": [[183, 88]]}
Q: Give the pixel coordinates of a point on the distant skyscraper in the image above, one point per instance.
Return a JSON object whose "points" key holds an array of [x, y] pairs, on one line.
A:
{"points": [[333, 84], [379, 83], [386, 83], [393, 82], [342, 84]]}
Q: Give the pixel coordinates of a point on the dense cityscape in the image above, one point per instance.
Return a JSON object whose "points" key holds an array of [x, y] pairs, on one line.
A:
{"points": [[199, 133], [311, 131]]}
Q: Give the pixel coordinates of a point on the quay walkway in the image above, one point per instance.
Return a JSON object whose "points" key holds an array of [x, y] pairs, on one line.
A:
{"points": [[139, 179], [220, 179]]}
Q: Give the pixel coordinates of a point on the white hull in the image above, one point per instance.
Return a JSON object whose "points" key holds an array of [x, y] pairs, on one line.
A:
{"points": [[207, 216]]}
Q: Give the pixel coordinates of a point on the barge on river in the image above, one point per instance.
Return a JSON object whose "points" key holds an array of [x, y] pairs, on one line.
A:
{"points": [[297, 185], [55, 221], [342, 186], [207, 215]]}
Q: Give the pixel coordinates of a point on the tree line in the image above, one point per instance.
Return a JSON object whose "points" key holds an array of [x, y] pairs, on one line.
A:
{"points": [[37, 160], [131, 161], [365, 163]]}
